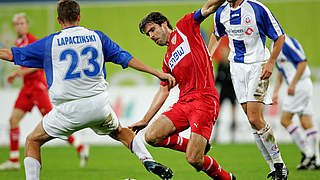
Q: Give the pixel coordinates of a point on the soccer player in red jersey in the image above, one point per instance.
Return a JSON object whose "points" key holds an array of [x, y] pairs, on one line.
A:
{"points": [[33, 93], [188, 60]]}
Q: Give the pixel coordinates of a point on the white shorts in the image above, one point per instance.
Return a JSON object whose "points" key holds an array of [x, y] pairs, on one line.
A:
{"points": [[92, 112], [247, 83], [300, 102]]}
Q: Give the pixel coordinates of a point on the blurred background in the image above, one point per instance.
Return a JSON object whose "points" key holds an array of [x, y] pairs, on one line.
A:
{"points": [[132, 91]]}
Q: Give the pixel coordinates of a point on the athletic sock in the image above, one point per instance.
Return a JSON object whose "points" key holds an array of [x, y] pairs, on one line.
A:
{"points": [[270, 143], [313, 141], [75, 143], [32, 168], [300, 139], [214, 170], [263, 150], [138, 147], [175, 142], [14, 144]]}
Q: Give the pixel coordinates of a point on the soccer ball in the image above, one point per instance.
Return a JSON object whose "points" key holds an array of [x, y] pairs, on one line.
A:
{"points": [[129, 179]]}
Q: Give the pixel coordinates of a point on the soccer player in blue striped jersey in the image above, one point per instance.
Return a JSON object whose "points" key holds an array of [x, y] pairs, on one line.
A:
{"points": [[247, 24], [293, 67], [74, 63]]}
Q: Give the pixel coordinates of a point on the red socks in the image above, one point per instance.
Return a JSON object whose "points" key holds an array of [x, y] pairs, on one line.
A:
{"points": [[175, 142], [214, 170], [75, 143], [14, 144]]}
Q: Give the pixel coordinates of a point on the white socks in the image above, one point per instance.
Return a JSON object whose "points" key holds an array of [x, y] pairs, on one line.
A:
{"points": [[270, 143], [263, 151], [138, 147], [267, 145], [299, 138], [32, 168], [313, 142]]}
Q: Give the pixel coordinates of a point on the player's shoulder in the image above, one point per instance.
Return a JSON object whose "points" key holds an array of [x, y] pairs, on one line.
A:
{"points": [[31, 37], [224, 6], [186, 18], [222, 9], [257, 5]]}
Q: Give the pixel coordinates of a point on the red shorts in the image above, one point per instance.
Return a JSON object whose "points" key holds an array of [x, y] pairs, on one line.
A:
{"points": [[198, 110], [34, 94]]}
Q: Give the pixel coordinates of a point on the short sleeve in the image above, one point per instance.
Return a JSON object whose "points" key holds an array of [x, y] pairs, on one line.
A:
{"points": [[219, 29], [188, 24], [112, 51], [266, 21], [31, 55]]}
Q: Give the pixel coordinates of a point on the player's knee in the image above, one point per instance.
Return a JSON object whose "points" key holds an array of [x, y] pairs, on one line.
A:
{"points": [[194, 161], [30, 138], [285, 123], [256, 122], [151, 140]]}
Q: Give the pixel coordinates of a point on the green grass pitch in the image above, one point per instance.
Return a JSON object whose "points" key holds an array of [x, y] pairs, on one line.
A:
{"points": [[117, 163]]}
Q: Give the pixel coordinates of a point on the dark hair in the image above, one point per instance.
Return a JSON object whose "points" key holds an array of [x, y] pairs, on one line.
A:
{"points": [[68, 11], [154, 17]]}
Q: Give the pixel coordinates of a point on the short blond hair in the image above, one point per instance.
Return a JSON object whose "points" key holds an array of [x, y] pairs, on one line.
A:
{"points": [[20, 15]]}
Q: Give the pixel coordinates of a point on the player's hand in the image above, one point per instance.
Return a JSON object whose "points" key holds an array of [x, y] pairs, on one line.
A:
{"points": [[275, 98], [291, 89], [168, 78], [136, 127], [267, 69], [11, 77]]}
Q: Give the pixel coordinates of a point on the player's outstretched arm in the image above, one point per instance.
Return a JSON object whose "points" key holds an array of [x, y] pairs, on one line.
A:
{"points": [[6, 54], [138, 65], [155, 106], [211, 6]]}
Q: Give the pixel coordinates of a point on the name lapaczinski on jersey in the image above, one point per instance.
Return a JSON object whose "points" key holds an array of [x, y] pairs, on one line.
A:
{"points": [[76, 40]]}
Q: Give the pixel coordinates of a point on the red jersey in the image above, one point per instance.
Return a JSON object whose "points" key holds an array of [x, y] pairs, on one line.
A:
{"points": [[188, 59], [34, 76], [218, 55]]}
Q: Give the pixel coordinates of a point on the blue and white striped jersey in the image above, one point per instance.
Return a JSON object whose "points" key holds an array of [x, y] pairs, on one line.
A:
{"points": [[74, 61], [247, 27], [291, 54]]}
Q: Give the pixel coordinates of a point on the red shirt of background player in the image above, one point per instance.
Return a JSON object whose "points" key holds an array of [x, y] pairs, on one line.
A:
{"points": [[223, 46], [34, 76], [35, 89]]}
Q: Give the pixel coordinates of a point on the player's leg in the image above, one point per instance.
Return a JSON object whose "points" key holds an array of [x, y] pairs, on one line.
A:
{"points": [[195, 156], [259, 143], [42, 101], [127, 137], [13, 162], [233, 126], [255, 112], [22, 105], [32, 160], [298, 137], [162, 133], [83, 150], [312, 139]]}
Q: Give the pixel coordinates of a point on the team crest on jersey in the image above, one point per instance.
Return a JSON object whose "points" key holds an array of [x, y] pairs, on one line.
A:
{"points": [[174, 39], [247, 20], [249, 31]]}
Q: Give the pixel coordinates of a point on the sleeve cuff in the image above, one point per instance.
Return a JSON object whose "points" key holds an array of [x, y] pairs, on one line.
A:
{"points": [[198, 16]]}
